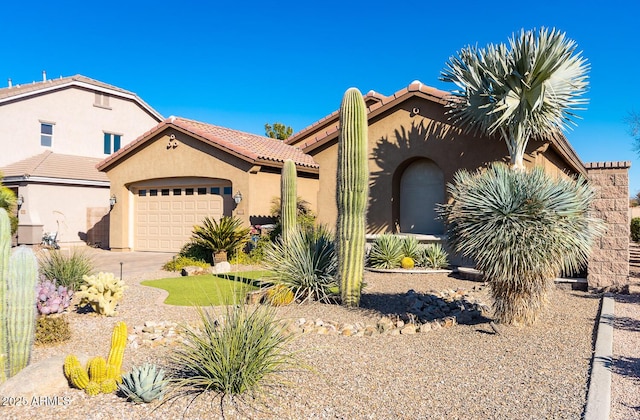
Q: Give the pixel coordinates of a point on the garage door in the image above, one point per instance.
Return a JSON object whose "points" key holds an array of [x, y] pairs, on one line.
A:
{"points": [[165, 216]]}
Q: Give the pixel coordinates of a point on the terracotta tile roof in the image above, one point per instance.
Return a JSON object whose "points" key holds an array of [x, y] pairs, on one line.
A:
{"points": [[55, 165], [18, 91], [251, 147], [316, 133], [326, 128]]}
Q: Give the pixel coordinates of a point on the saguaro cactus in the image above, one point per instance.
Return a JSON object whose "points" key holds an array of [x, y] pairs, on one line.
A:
{"points": [[18, 278], [288, 196], [5, 252], [351, 195]]}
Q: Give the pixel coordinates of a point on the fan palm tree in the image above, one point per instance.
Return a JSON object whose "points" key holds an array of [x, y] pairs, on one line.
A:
{"points": [[530, 88], [522, 228]]}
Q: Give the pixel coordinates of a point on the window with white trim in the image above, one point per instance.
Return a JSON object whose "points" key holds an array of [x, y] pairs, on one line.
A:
{"points": [[111, 143], [46, 134]]}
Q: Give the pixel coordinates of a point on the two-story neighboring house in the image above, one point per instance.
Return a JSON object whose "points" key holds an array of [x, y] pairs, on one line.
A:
{"points": [[53, 133]]}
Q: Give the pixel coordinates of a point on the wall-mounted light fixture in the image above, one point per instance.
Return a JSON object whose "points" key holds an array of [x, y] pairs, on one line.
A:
{"points": [[112, 201], [238, 197], [20, 201]]}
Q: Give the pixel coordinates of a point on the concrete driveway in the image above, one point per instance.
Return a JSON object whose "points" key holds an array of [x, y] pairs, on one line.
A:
{"points": [[134, 264]]}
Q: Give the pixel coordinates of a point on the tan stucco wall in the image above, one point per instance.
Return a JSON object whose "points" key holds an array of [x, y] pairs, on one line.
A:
{"points": [[400, 137], [61, 208], [154, 163], [265, 186], [79, 126]]}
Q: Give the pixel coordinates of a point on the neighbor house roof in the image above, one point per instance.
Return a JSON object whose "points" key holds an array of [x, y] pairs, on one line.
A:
{"points": [[250, 147], [54, 167], [18, 92], [326, 129]]}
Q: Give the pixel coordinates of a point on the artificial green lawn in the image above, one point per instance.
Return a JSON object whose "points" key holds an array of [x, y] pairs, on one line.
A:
{"points": [[221, 289]]}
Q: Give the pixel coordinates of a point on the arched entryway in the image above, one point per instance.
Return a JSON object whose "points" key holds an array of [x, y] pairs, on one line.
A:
{"points": [[421, 188]]}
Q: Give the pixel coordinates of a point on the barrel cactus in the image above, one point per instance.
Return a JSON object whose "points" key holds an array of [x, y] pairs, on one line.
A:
{"points": [[288, 198], [352, 192], [143, 384], [18, 278]]}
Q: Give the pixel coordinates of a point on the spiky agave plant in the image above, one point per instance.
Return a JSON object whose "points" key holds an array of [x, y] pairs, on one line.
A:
{"points": [[306, 264], [521, 229]]}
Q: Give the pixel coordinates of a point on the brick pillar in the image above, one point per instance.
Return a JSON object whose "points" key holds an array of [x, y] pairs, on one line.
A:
{"points": [[609, 262]]}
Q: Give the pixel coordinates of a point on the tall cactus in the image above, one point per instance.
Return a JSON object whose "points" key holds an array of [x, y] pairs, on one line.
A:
{"points": [[5, 252], [19, 275], [21, 308], [288, 196], [351, 195]]}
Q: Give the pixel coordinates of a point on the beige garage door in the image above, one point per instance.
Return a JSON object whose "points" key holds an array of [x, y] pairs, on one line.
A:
{"points": [[165, 216]]}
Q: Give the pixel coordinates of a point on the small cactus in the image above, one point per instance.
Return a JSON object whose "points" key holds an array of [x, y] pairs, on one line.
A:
{"points": [[102, 293], [100, 375], [280, 295], [52, 299], [407, 263], [143, 384]]}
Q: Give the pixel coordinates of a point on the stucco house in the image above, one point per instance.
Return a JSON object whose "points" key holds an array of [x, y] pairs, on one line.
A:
{"points": [[181, 171], [55, 132], [414, 151]]}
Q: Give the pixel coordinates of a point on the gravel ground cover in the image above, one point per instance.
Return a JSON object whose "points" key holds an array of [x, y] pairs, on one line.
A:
{"points": [[461, 372], [625, 369]]}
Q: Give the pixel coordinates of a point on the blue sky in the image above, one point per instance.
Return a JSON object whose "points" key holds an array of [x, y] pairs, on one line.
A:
{"points": [[242, 64]]}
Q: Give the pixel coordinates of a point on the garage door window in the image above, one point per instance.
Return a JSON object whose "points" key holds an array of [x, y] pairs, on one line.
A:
{"points": [[188, 191], [177, 191], [153, 193], [142, 193], [227, 190], [202, 191], [215, 190]]}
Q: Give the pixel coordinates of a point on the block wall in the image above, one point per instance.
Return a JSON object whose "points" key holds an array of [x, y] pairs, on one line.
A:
{"points": [[609, 262]]}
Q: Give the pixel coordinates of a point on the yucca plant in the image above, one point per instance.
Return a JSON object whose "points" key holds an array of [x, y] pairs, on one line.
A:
{"points": [[241, 355], [530, 88], [410, 247], [143, 384], [521, 229], [227, 235], [386, 251], [306, 265], [66, 267], [433, 256]]}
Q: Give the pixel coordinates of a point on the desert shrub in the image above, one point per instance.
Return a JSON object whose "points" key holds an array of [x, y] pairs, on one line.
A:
{"points": [[307, 264], [224, 235], [386, 251], [67, 268], [52, 330], [52, 299], [522, 229], [433, 256], [244, 354], [305, 218], [196, 251], [410, 247], [635, 229], [180, 262]]}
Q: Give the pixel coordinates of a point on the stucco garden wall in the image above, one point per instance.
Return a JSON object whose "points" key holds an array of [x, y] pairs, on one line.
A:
{"points": [[609, 262]]}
